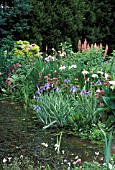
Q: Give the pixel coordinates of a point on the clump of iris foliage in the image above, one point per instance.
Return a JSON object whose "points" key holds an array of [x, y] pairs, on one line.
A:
{"points": [[68, 89]]}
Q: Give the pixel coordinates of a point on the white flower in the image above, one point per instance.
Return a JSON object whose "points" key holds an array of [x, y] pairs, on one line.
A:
{"points": [[53, 49], [96, 153], [98, 90], [76, 157], [9, 158], [100, 72], [63, 151], [84, 72], [69, 164], [62, 54], [62, 67], [21, 156], [110, 166], [4, 160], [44, 144], [106, 76], [72, 66], [112, 82], [94, 75], [56, 146]]}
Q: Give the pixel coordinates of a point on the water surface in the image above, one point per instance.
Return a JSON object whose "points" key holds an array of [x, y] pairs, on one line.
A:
{"points": [[20, 134]]}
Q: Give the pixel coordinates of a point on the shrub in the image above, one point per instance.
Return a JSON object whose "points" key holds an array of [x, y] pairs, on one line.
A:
{"points": [[25, 49]]}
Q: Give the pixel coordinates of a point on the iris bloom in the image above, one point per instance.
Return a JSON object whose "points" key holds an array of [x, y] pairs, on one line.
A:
{"points": [[62, 67], [99, 82], [84, 92], [84, 72], [37, 108], [47, 86], [73, 89], [67, 80], [94, 75]]}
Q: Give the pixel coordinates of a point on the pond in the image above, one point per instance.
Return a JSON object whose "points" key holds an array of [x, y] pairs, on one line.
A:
{"points": [[20, 134]]}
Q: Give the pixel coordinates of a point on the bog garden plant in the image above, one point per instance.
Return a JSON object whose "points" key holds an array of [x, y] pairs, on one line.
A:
{"points": [[68, 89]]}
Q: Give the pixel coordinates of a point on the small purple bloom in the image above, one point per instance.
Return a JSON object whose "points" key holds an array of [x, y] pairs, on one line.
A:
{"points": [[42, 88], [37, 108], [57, 88], [87, 93], [98, 82], [38, 91], [73, 89], [47, 86], [67, 80], [84, 92]]}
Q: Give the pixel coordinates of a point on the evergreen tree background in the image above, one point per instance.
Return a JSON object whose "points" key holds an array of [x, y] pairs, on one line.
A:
{"points": [[51, 22]]}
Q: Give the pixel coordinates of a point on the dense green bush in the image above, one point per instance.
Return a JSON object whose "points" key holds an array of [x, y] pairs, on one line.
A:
{"points": [[52, 22]]}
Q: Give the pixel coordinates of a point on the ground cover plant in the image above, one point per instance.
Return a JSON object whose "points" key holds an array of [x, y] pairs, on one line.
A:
{"points": [[65, 89]]}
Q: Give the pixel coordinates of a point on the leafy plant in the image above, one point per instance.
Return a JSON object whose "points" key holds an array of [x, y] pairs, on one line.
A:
{"points": [[25, 49], [107, 146], [87, 105], [58, 143], [53, 109]]}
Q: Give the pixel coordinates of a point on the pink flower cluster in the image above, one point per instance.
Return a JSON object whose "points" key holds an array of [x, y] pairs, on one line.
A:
{"points": [[53, 81], [86, 46], [16, 65]]}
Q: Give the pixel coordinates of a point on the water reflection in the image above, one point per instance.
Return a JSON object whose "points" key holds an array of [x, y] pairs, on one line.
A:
{"points": [[20, 135]]}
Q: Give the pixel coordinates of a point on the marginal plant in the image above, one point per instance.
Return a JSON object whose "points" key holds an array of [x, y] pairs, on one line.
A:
{"points": [[107, 146], [53, 109], [87, 105], [58, 143]]}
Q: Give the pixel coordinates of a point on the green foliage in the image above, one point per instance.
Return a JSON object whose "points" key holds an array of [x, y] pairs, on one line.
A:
{"points": [[25, 49], [52, 22], [14, 19], [56, 21], [54, 109], [22, 78], [107, 147]]}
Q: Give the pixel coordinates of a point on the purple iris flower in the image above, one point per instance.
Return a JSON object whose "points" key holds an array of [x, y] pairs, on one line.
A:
{"points": [[73, 89], [84, 92], [42, 88], [57, 88], [47, 86], [38, 91], [37, 108], [67, 80], [98, 82], [87, 93]]}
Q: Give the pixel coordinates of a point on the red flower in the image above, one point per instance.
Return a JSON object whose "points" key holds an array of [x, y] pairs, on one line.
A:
{"points": [[102, 92], [101, 104]]}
